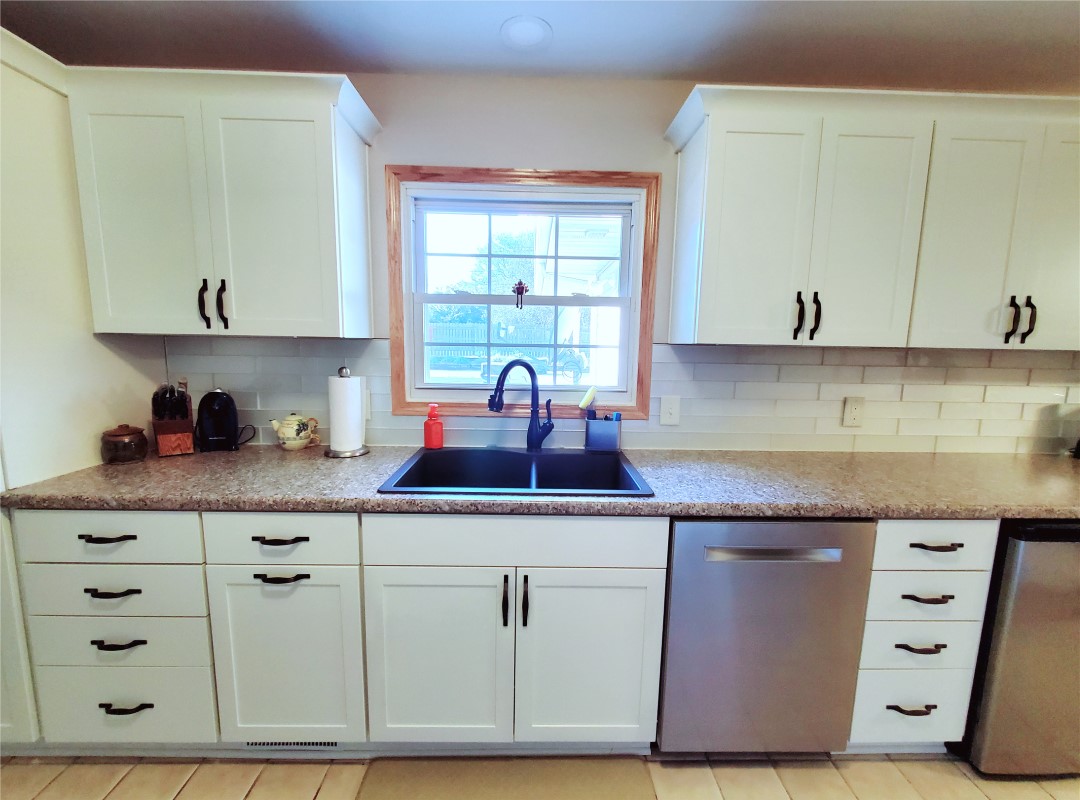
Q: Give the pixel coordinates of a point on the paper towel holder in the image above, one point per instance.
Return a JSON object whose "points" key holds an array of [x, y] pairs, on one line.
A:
{"points": [[343, 372]]}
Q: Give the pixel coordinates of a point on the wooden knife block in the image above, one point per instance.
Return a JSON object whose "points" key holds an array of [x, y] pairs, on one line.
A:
{"points": [[175, 437]]}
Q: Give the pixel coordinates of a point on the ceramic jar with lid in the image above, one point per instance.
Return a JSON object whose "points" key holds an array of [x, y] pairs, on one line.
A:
{"points": [[123, 444]]}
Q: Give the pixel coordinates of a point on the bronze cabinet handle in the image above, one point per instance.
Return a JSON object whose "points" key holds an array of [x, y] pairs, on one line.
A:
{"points": [[937, 548], [802, 315], [123, 712], [912, 712], [1011, 332], [1031, 320], [933, 650], [817, 316], [930, 601], [127, 537]]}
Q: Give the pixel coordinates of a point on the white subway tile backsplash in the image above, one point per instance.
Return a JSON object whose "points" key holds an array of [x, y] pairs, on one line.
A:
{"points": [[939, 427], [986, 375], [944, 394], [869, 391], [976, 444], [904, 375], [900, 410], [811, 374], [948, 358], [1055, 377], [736, 372], [864, 357], [1031, 359], [1025, 394], [776, 391], [980, 410], [734, 397]]}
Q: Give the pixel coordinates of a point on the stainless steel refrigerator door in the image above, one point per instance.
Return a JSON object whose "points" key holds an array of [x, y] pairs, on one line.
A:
{"points": [[1029, 718], [764, 629]]}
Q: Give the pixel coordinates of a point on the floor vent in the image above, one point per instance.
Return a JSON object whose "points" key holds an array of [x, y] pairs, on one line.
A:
{"points": [[294, 745]]}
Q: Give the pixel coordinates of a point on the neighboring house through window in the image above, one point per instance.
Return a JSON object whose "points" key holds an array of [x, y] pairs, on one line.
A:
{"points": [[583, 244]]}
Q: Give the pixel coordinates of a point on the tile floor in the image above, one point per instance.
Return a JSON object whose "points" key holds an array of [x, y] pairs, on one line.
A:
{"points": [[876, 778]]}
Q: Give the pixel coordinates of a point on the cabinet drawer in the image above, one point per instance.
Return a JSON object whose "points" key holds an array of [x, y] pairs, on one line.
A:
{"points": [[971, 544], [142, 537], [232, 538], [956, 645], [162, 591], [965, 594], [874, 723], [490, 541], [69, 700], [167, 641]]}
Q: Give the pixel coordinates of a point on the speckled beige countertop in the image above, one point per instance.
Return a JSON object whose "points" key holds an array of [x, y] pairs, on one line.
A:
{"points": [[686, 483]]}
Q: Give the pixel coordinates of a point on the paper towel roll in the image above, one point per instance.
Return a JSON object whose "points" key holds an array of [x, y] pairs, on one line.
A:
{"points": [[346, 413]]}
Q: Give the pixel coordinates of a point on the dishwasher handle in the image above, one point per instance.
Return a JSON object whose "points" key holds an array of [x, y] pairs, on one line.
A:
{"points": [[772, 553]]}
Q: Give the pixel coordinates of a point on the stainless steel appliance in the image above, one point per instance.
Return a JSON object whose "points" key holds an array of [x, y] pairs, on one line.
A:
{"points": [[1027, 719], [764, 630]]}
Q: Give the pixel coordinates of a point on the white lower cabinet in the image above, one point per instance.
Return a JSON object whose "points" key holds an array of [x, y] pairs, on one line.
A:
{"points": [[563, 649], [288, 652]]}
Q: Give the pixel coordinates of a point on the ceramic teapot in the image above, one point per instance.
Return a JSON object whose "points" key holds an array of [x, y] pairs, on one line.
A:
{"points": [[296, 432]]}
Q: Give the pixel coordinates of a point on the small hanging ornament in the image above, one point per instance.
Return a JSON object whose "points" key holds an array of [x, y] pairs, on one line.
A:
{"points": [[519, 289]]}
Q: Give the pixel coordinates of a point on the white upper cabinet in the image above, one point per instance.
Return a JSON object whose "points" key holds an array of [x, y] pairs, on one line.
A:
{"points": [[797, 221], [224, 203], [979, 215]]}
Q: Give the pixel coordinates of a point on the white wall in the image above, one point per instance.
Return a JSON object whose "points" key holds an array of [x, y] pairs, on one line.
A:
{"points": [[60, 386], [525, 123]]}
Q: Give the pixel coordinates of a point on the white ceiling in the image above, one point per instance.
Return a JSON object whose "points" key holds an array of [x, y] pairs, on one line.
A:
{"points": [[1000, 45]]}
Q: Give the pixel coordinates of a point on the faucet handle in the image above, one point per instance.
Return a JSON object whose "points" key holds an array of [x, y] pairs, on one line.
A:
{"points": [[547, 406], [495, 401]]}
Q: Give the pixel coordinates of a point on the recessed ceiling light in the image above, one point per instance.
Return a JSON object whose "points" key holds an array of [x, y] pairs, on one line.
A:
{"points": [[525, 33]]}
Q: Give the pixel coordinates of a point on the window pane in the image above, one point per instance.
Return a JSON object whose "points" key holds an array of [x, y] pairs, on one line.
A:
{"points": [[590, 326], [572, 367], [537, 273], [452, 324], [456, 233], [452, 274], [522, 234], [600, 367], [588, 277], [528, 325], [539, 359], [453, 365], [598, 237]]}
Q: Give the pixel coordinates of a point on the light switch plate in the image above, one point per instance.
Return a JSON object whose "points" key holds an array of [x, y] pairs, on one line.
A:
{"points": [[669, 410]]}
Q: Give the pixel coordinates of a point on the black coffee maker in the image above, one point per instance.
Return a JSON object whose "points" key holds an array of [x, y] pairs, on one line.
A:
{"points": [[217, 426]]}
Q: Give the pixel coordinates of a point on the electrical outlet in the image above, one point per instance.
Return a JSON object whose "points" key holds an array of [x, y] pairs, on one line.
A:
{"points": [[853, 411], [669, 410]]}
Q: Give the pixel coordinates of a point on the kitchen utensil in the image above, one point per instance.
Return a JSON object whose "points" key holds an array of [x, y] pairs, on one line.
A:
{"points": [[218, 427], [296, 432], [123, 445], [347, 394]]}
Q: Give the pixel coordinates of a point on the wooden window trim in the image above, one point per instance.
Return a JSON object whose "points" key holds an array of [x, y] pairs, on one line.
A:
{"points": [[396, 174]]}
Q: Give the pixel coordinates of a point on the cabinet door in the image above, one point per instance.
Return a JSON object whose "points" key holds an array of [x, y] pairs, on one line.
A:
{"points": [[18, 719], [758, 224], [288, 657], [270, 168], [1052, 275], [588, 654], [978, 223], [867, 222], [440, 653], [142, 189]]}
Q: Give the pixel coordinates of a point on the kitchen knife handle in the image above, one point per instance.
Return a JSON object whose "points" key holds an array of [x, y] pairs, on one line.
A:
{"points": [[112, 648], [97, 594], [525, 604], [301, 576], [127, 537], [202, 302], [802, 315], [1031, 320], [817, 317], [937, 548], [933, 650], [930, 601], [279, 542], [123, 712], [1015, 320], [912, 712], [221, 305], [506, 600]]}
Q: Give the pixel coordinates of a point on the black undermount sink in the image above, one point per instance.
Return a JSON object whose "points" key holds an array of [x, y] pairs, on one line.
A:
{"points": [[497, 470]]}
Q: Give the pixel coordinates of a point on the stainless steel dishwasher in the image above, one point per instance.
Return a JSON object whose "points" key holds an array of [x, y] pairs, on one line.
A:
{"points": [[764, 630]]}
